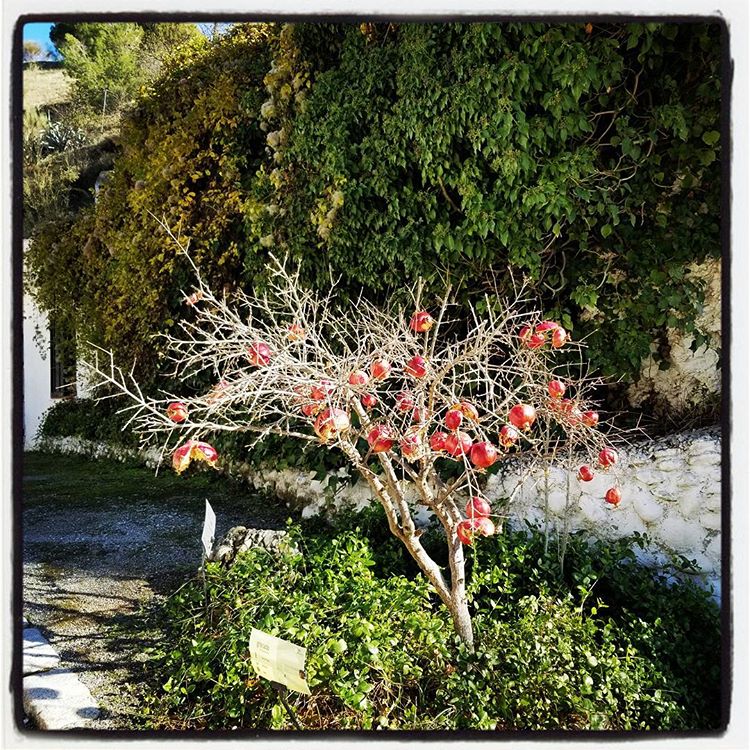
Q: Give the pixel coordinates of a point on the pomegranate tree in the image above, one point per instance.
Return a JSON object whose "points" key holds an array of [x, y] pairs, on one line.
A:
{"points": [[415, 407]]}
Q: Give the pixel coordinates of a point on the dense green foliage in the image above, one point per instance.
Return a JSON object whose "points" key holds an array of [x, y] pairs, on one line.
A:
{"points": [[186, 149], [584, 159], [606, 647]]}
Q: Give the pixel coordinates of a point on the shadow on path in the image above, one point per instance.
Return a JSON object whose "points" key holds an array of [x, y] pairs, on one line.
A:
{"points": [[92, 571]]}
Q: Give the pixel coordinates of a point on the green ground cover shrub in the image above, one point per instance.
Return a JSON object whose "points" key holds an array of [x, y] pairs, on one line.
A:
{"points": [[606, 646]]}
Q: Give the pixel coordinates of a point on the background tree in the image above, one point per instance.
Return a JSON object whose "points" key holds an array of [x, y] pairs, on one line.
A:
{"points": [[32, 51], [103, 61]]}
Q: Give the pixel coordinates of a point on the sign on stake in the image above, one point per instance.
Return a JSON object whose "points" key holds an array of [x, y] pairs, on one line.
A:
{"points": [[207, 538], [281, 662], [209, 530]]}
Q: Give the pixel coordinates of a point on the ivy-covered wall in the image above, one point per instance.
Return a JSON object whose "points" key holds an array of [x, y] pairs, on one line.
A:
{"points": [[582, 158]]}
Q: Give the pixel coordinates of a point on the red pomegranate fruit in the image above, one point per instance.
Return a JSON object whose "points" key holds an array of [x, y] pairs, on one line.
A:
{"points": [[483, 455], [522, 416], [613, 496], [421, 321]]}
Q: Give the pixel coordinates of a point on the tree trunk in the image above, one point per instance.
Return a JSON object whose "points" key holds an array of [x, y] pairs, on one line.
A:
{"points": [[459, 608], [459, 604]]}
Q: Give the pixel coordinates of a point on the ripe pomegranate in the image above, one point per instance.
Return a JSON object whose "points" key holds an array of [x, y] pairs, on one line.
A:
{"points": [[613, 496], [380, 438], [484, 526], [469, 528], [574, 416], [380, 369], [522, 416], [465, 531], [311, 408], [453, 418], [478, 507], [193, 450], [321, 391], [411, 447], [331, 422], [535, 341], [590, 418], [508, 436], [421, 321], [458, 443], [585, 473], [259, 354], [177, 411], [204, 452], [358, 377], [547, 325], [181, 457], [483, 455], [437, 440], [404, 401], [607, 457], [295, 332], [468, 410], [559, 337], [416, 367], [524, 333], [556, 388], [369, 401]]}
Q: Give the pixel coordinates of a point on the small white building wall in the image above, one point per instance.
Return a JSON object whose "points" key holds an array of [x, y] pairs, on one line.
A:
{"points": [[36, 370]]}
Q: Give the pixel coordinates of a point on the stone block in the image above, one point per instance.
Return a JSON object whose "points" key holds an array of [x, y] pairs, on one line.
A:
{"points": [[626, 520], [593, 510], [681, 535], [689, 500], [38, 655], [647, 507], [706, 462], [710, 521], [557, 502], [669, 465], [57, 699], [647, 476]]}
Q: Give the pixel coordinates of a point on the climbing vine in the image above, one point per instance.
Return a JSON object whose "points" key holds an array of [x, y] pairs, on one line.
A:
{"points": [[584, 158]]}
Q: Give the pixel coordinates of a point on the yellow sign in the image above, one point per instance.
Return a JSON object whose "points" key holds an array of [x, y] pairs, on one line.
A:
{"points": [[278, 660]]}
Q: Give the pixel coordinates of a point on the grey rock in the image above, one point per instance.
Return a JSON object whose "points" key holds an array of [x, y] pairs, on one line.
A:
{"points": [[240, 539], [38, 655], [57, 699]]}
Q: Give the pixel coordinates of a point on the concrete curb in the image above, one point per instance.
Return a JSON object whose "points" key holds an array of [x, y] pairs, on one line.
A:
{"points": [[53, 698]]}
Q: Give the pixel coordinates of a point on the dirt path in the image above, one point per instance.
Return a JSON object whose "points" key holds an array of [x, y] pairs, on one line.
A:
{"points": [[96, 553]]}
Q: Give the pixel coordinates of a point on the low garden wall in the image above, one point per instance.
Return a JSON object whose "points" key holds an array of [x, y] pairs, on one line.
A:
{"points": [[671, 491]]}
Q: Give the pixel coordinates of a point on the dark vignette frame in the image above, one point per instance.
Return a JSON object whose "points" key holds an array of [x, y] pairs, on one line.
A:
{"points": [[17, 420]]}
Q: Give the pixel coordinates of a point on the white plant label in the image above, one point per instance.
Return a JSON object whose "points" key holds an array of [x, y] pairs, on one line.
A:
{"points": [[279, 660], [209, 529]]}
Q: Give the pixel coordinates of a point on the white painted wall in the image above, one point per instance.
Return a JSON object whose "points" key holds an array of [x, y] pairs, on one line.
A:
{"points": [[671, 491], [36, 370]]}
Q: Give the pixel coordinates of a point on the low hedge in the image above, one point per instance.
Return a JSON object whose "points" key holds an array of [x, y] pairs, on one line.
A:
{"points": [[606, 645]]}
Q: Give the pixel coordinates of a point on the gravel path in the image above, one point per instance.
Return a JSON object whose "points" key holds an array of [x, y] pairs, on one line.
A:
{"points": [[88, 573]]}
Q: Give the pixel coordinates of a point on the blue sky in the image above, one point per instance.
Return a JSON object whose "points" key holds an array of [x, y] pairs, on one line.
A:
{"points": [[39, 33]]}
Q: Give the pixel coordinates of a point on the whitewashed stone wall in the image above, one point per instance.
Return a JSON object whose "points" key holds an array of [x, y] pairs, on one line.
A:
{"points": [[671, 491]]}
